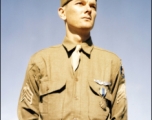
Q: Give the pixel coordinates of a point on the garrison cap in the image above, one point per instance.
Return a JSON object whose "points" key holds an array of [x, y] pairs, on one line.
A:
{"points": [[63, 2]]}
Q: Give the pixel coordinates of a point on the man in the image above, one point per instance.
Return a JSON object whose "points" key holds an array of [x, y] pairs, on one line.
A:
{"points": [[74, 80]]}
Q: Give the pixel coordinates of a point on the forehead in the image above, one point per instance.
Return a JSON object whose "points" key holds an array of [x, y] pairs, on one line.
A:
{"points": [[85, 0]]}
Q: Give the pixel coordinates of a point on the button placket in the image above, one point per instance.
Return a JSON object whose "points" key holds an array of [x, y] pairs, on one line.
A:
{"points": [[77, 90]]}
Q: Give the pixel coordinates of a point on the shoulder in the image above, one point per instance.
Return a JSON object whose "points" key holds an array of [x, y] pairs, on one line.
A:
{"points": [[45, 53], [107, 56], [47, 50], [106, 53]]}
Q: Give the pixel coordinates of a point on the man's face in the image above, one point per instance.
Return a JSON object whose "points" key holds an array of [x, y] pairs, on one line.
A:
{"points": [[81, 14]]}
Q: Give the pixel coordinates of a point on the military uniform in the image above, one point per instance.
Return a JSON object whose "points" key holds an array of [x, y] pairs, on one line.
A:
{"points": [[53, 91]]}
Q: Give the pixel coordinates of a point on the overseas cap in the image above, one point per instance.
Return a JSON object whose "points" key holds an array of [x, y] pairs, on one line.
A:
{"points": [[63, 2]]}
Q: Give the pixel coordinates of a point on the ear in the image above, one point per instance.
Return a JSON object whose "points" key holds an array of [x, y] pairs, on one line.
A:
{"points": [[61, 13]]}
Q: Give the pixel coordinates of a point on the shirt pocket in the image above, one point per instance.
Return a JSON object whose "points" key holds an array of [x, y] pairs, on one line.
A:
{"points": [[98, 105], [51, 98]]}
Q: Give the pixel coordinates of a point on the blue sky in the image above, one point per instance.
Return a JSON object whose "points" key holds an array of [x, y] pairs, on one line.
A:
{"points": [[122, 26]]}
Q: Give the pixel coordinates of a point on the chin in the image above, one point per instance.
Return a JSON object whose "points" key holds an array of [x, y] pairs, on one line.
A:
{"points": [[87, 27]]}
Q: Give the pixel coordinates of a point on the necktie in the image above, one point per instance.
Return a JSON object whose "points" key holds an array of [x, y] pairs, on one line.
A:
{"points": [[75, 57]]}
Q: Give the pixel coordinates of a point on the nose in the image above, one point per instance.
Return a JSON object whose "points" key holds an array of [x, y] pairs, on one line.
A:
{"points": [[88, 8]]}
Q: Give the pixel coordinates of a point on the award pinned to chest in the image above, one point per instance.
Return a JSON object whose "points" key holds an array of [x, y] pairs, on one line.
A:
{"points": [[102, 91], [103, 85]]}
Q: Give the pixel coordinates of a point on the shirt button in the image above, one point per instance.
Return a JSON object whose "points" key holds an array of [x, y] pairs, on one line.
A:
{"points": [[47, 89], [75, 119], [76, 98]]}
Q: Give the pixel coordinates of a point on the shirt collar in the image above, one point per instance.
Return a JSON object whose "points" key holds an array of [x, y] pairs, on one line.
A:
{"points": [[87, 45]]}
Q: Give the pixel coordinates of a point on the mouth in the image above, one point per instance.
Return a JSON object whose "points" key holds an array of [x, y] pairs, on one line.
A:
{"points": [[87, 18]]}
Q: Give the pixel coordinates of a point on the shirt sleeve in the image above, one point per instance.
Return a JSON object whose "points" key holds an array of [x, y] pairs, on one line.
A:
{"points": [[28, 104], [119, 107]]}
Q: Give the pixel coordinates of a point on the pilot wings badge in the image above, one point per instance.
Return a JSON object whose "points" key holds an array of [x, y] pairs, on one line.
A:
{"points": [[102, 82]]}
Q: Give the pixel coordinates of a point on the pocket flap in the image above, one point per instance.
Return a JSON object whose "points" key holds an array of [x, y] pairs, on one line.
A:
{"points": [[47, 87], [96, 87]]}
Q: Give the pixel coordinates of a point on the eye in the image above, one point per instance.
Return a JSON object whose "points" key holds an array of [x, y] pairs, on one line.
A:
{"points": [[94, 7], [79, 3]]}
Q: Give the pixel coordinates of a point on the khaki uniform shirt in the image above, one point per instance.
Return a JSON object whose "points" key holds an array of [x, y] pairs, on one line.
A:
{"points": [[53, 91]]}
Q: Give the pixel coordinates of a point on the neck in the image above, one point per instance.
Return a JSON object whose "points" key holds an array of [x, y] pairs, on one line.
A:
{"points": [[77, 36]]}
